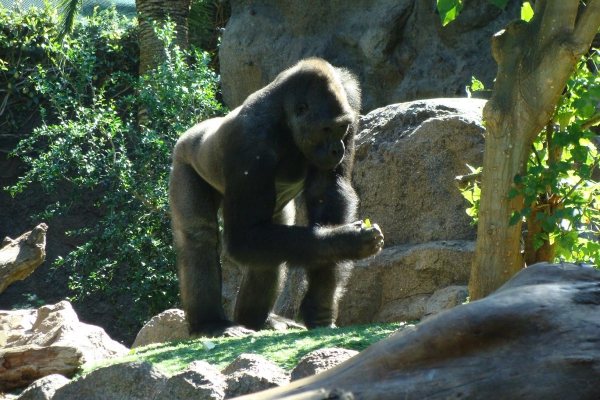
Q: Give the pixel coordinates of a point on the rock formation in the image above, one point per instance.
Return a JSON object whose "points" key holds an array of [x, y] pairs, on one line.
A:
{"points": [[399, 49]]}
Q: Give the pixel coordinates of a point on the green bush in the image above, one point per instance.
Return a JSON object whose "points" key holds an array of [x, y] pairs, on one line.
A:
{"points": [[98, 145]]}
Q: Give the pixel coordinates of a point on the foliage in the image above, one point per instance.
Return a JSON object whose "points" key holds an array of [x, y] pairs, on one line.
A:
{"points": [[559, 192], [25, 41], [450, 9], [99, 149], [282, 348]]}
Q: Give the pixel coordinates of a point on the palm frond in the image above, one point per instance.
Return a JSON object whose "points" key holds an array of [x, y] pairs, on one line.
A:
{"points": [[68, 10]]}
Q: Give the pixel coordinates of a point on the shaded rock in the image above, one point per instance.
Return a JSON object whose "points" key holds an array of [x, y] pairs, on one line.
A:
{"points": [[399, 49], [127, 381], [44, 388], [534, 338], [168, 326], [21, 256], [250, 373], [320, 360], [55, 342], [407, 157], [199, 381]]}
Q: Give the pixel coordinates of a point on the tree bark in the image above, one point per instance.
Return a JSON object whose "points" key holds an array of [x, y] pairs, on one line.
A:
{"points": [[152, 50], [20, 257], [535, 59]]}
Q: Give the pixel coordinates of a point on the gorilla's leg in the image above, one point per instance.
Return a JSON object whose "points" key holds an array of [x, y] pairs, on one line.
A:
{"points": [[319, 306], [261, 286], [194, 206], [330, 200]]}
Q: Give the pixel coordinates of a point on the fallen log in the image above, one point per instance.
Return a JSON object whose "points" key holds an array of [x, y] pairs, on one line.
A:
{"points": [[21, 256], [537, 337]]}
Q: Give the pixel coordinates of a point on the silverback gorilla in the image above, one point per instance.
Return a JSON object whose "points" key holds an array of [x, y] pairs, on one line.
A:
{"points": [[296, 135]]}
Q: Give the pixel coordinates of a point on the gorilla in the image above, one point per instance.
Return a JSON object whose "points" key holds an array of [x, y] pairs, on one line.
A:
{"points": [[296, 135]]}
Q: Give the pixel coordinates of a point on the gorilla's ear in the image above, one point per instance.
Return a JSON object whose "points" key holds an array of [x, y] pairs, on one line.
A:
{"points": [[352, 87]]}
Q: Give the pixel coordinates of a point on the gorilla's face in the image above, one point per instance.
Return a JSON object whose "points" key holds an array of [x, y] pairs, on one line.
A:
{"points": [[320, 118]]}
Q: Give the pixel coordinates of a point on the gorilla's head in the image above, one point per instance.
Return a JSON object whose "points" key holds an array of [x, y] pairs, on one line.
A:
{"points": [[318, 111]]}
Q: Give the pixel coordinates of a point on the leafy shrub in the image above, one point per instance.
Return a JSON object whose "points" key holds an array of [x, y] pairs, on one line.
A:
{"points": [[98, 145]]}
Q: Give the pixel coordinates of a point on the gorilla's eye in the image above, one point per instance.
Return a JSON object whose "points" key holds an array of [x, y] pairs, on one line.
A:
{"points": [[300, 109]]}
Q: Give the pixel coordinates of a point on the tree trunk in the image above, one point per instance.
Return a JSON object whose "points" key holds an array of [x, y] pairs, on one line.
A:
{"points": [[152, 50], [535, 59], [536, 338], [21, 256]]}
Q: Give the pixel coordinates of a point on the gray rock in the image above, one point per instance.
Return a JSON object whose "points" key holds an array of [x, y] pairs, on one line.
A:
{"points": [[251, 373], [199, 381], [44, 388], [320, 360], [397, 284], [406, 160], [127, 381], [398, 48], [168, 326]]}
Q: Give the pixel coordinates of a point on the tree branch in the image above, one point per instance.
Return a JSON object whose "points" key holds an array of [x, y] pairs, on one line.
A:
{"points": [[558, 15], [587, 26]]}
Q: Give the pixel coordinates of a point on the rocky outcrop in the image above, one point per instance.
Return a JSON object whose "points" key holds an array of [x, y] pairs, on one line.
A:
{"points": [[398, 48], [49, 341], [534, 338]]}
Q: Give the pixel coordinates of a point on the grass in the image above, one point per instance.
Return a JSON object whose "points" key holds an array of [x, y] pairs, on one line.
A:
{"points": [[282, 348]]}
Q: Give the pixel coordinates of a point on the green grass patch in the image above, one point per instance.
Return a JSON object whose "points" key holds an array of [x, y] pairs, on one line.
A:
{"points": [[282, 348]]}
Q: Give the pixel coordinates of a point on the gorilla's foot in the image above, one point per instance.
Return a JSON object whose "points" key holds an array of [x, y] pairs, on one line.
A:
{"points": [[220, 328], [279, 323]]}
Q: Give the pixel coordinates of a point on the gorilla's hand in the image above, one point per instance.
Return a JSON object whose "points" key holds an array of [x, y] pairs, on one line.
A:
{"points": [[357, 241]]}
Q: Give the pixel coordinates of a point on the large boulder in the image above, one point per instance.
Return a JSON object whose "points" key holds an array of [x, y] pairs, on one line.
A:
{"points": [[407, 156], [398, 48], [534, 338], [48, 341]]}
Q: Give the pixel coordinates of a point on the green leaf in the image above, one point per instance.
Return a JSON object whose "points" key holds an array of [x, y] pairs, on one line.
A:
{"points": [[526, 12], [514, 218], [549, 224], [513, 193], [449, 10]]}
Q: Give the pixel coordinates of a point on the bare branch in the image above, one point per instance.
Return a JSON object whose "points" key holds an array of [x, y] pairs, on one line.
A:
{"points": [[587, 26]]}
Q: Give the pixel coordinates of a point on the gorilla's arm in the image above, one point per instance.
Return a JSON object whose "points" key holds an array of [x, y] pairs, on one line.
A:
{"points": [[251, 238]]}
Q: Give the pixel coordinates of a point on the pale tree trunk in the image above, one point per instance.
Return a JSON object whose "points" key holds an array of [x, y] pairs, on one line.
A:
{"points": [[151, 48], [535, 59]]}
